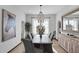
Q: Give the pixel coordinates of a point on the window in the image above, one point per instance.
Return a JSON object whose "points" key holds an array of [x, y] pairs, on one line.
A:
{"points": [[35, 24]]}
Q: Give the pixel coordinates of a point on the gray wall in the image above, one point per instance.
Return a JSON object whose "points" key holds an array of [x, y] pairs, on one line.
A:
{"points": [[52, 21]]}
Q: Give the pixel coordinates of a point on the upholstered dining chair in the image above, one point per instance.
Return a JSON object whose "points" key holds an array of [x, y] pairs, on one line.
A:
{"points": [[52, 36], [29, 47], [32, 35], [48, 48]]}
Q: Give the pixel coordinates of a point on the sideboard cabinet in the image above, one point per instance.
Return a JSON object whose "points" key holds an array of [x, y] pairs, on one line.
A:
{"points": [[69, 43]]}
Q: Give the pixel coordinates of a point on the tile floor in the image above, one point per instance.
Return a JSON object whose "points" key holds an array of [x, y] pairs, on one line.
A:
{"points": [[55, 46]]}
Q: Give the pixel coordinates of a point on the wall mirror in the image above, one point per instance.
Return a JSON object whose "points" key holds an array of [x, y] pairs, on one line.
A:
{"points": [[70, 21]]}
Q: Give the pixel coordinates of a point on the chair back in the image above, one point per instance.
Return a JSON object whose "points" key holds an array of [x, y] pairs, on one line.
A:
{"points": [[29, 47], [52, 35], [32, 35]]}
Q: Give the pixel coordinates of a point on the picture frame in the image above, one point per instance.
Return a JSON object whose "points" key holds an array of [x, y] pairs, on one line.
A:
{"points": [[8, 25]]}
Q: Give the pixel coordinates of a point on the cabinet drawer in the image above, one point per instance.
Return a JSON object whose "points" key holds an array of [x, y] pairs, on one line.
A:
{"points": [[70, 44], [70, 47], [76, 46]]}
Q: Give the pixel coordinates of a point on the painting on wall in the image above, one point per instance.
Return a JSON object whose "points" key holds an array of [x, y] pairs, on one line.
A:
{"points": [[59, 26], [8, 25]]}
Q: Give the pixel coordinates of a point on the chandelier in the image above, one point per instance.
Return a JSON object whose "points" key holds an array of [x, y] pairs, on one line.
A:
{"points": [[40, 16]]}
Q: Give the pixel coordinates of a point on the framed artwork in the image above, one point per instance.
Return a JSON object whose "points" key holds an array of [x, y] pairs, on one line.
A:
{"points": [[59, 24], [8, 25]]}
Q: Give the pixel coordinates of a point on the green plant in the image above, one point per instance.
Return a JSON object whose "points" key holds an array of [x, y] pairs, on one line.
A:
{"points": [[27, 27], [40, 29]]}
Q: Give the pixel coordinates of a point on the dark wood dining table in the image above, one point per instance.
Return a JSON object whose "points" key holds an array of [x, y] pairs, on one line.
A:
{"points": [[44, 43]]}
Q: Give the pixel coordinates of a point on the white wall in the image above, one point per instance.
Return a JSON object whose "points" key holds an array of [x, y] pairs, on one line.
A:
{"points": [[9, 44], [61, 13], [52, 20], [20, 16]]}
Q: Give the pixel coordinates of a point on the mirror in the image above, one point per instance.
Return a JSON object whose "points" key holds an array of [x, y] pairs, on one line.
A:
{"points": [[70, 21]]}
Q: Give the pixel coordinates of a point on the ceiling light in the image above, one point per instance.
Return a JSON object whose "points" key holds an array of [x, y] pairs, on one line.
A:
{"points": [[40, 16]]}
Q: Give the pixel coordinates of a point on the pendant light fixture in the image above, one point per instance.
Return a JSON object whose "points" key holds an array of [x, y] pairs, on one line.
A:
{"points": [[40, 16]]}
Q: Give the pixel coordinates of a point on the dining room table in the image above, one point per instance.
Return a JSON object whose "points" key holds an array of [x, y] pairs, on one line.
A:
{"points": [[44, 43]]}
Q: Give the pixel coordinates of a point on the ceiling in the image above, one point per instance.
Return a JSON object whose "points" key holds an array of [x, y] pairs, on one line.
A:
{"points": [[46, 9]]}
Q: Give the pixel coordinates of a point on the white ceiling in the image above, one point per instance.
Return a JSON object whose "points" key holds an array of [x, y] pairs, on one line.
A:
{"points": [[46, 9]]}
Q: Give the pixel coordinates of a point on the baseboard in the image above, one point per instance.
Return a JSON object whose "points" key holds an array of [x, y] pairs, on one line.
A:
{"points": [[14, 47]]}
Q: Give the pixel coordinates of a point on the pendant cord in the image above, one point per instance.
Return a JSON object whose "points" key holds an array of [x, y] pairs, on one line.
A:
{"points": [[40, 8]]}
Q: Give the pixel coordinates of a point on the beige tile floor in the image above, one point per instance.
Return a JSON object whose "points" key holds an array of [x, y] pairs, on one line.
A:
{"points": [[57, 48], [19, 49]]}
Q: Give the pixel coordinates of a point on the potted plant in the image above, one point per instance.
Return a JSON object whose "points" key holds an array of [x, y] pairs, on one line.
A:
{"points": [[40, 30], [27, 29]]}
